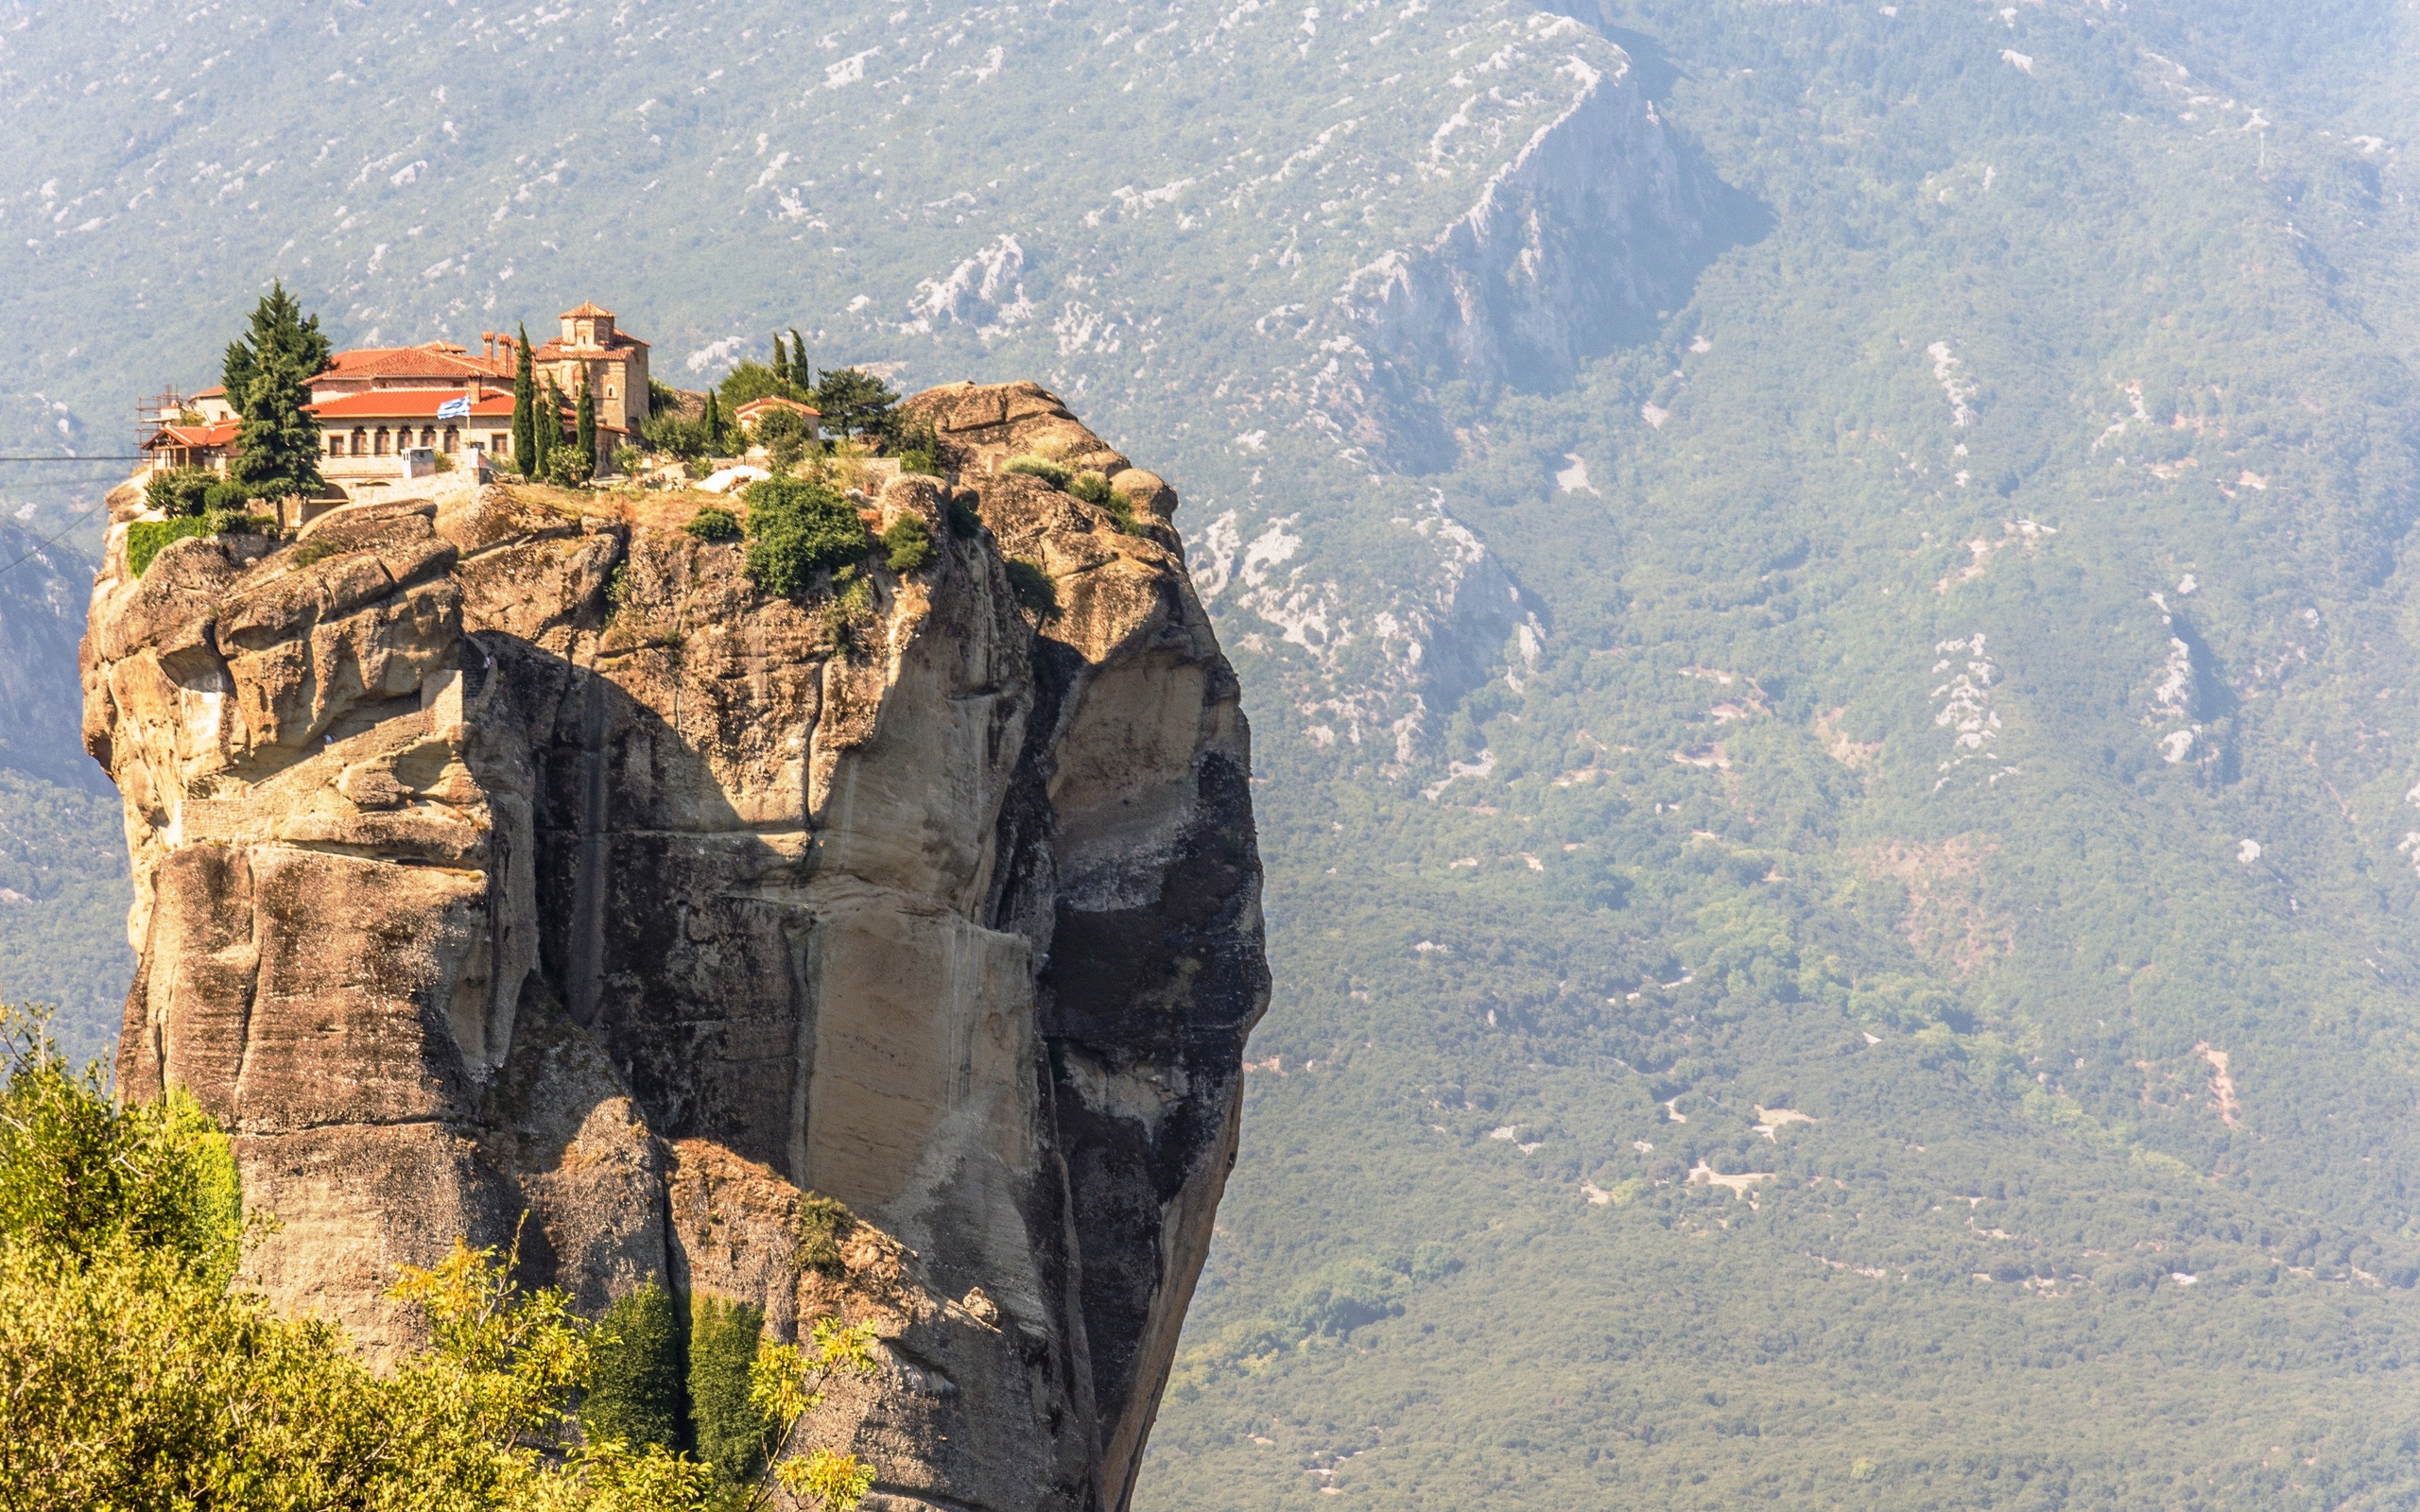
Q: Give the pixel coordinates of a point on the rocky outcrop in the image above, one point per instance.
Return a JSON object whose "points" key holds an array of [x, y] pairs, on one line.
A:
{"points": [[1592, 222], [499, 865], [1570, 248]]}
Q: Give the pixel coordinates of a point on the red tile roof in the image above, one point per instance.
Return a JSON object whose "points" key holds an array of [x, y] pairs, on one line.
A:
{"points": [[405, 403], [586, 312], [222, 434], [757, 406], [558, 349], [435, 360]]}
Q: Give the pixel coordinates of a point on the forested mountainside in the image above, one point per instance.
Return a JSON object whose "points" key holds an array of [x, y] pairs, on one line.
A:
{"points": [[62, 842], [1823, 590]]}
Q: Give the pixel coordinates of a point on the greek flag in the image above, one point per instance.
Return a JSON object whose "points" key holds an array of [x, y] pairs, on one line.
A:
{"points": [[456, 408]]}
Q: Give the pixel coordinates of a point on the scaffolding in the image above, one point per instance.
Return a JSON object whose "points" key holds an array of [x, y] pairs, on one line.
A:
{"points": [[152, 415]]}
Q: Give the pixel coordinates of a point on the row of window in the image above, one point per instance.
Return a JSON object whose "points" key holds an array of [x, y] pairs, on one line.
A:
{"points": [[362, 442]]}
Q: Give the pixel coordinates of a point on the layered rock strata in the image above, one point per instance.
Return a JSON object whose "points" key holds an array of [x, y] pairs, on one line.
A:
{"points": [[504, 869]]}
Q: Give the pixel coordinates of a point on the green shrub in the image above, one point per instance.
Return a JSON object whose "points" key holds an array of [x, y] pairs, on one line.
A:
{"points": [[179, 491], [822, 1223], [444, 462], [79, 1170], [1093, 487], [714, 522], [911, 544], [729, 1428], [1039, 467], [1033, 588], [626, 460], [963, 522], [243, 524], [849, 611], [784, 436], [227, 498], [667, 432], [147, 539], [915, 443], [798, 527], [635, 1375], [567, 467]]}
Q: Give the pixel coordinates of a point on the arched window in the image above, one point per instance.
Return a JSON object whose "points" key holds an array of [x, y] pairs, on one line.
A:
{"points": [[335, 444], [378, 442], [361, 441], [453, 439]]}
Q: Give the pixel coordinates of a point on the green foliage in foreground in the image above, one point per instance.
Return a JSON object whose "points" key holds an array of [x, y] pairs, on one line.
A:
{"points": [[634, 1387], [732, 1429], [135, 1373], [798, 527]]}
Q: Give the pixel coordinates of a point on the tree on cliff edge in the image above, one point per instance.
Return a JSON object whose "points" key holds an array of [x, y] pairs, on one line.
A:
{"points": [[525, 408], [584, 427], [268, 378]]}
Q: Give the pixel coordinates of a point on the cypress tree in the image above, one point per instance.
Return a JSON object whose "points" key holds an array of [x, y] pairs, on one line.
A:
{"points": [[714, 422], [269, 381], [524, 410], [802, 376], [586, 427], [780, 360], [546, 426]]}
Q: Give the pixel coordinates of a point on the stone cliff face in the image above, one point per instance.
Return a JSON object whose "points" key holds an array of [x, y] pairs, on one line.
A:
{"points": [[1570, 247], [496, 863]]}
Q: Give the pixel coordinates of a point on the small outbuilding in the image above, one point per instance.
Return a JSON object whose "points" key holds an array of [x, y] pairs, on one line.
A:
{"points": [[750, 414]]}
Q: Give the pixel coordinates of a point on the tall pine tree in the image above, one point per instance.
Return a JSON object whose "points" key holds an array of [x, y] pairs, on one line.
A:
{"points": [[269, 381], [524, 410], [781, 361], [802, 376], [586, 427], [712, 421]]}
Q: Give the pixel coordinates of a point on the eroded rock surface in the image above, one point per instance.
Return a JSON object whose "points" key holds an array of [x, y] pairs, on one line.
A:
{"points": [[495, 860]]}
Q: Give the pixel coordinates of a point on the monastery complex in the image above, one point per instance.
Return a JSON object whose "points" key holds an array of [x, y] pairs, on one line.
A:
{"points": [[387, 412]]}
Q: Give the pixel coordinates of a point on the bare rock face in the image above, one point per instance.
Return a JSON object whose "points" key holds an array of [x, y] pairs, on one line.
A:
{"points": [[498, 866]]}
